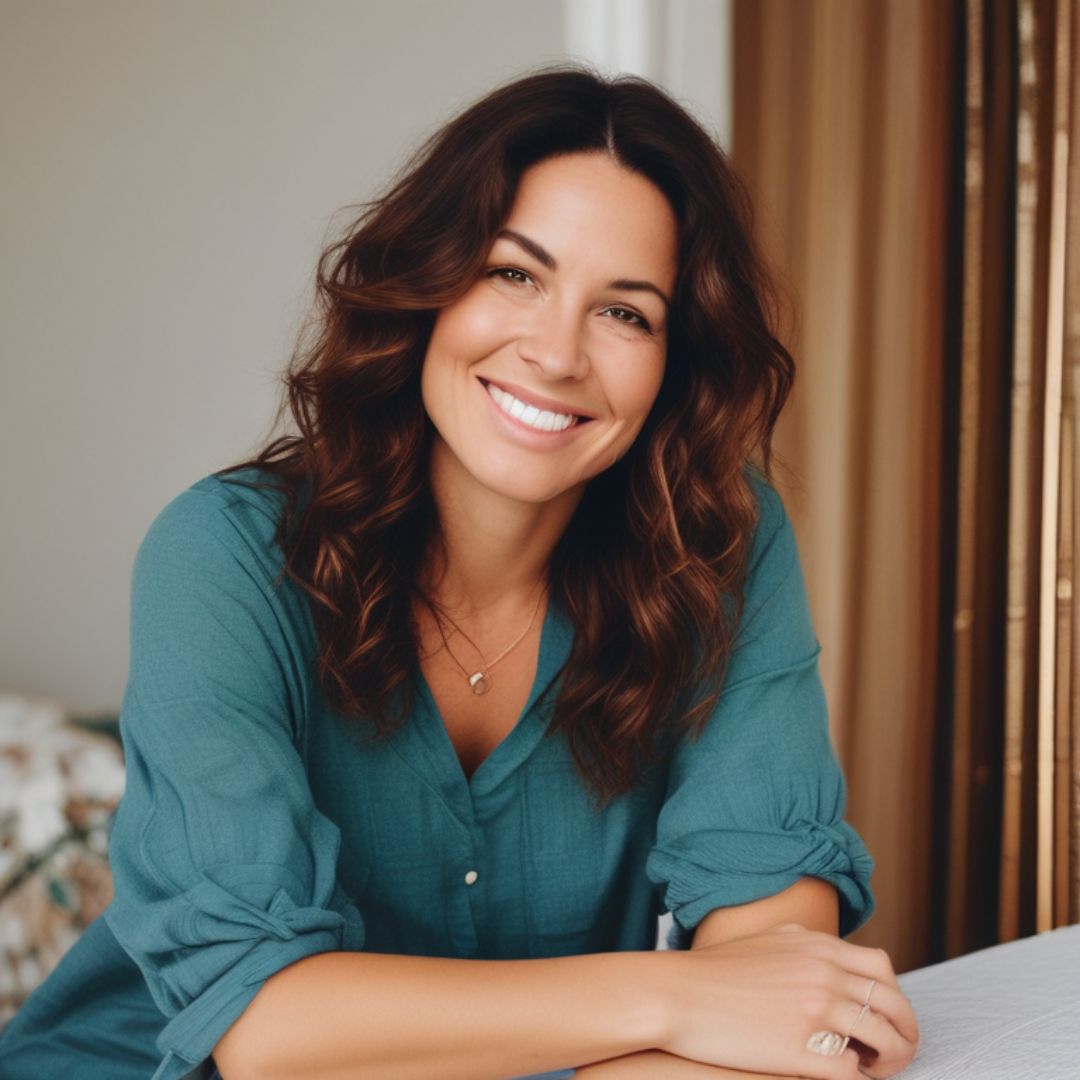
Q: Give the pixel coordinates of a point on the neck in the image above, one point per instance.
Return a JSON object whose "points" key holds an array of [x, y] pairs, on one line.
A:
{"points": [[495, 551]]}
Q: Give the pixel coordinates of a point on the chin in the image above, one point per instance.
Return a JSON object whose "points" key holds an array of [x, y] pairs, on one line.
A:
{"points": [[519, 488], [525, 493]]}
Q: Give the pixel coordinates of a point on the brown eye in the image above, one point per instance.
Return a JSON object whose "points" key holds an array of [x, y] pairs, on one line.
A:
{"points": [[498, 271], [641, 320]]}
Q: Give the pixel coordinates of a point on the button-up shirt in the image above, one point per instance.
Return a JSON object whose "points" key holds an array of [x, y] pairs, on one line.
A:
{"points": [[258, 826]]}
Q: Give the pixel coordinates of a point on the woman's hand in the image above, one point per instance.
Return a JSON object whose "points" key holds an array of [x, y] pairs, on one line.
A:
{"points": [[752, 1002]]}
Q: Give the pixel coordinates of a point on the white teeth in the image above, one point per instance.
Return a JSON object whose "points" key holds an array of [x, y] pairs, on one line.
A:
{"points": [[541, 419]]}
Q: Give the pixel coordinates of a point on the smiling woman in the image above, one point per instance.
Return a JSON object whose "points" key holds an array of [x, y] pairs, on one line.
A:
{"points": [[559, 337], [438, 702]]}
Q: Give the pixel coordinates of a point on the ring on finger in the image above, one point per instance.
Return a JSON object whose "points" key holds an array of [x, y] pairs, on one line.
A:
{"points": [[831, 1043]]}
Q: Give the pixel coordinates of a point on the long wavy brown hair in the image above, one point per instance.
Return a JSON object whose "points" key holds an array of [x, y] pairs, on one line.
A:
{"points": [[652, 565]]}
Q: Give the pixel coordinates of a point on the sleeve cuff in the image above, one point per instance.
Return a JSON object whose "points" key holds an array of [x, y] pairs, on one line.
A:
{"points": [[835, 853], [189, 1038], [187, 1041]]}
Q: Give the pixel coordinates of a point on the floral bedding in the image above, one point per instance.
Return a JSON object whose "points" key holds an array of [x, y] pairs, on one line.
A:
{"points": [[61, 779]]}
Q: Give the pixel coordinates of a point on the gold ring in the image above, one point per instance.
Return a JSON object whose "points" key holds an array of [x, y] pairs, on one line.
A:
{"points": [[828, 1043]]}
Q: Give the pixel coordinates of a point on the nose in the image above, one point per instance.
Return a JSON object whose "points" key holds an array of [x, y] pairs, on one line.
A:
{"points": [[554, 343]]}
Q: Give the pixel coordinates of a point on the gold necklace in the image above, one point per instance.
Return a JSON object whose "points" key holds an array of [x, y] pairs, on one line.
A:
{"points": [[480, 681]]}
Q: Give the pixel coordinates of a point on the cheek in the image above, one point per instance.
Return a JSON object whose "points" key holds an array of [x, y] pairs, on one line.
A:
{"points": [[638, 391], [467, 329]]}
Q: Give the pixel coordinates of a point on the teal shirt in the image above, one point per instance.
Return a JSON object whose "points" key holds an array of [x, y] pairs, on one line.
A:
{"points": [[257, 827]]}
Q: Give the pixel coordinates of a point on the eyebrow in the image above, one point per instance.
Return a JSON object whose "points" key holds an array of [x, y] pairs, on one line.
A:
{"points": [[545, 258]]}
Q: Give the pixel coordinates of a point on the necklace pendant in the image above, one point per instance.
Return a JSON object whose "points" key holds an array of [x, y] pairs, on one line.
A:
{"points": [[479, 683]]}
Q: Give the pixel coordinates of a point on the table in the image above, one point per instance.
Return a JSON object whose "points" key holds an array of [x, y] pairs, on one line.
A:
{"points": [[1007, 1012]]}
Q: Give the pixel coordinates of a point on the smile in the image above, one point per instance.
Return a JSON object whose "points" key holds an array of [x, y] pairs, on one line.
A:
{"points": [[538, 419]]}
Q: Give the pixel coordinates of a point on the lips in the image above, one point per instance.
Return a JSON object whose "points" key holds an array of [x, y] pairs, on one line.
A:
{"points": [[539, 402]]}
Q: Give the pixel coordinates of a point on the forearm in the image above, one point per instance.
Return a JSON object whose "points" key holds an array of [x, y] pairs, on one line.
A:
{"points": [[338, 1015], [658, 1065]]}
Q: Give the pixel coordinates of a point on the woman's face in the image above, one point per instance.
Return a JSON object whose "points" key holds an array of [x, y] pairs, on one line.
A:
{"points": [[569, 317]]}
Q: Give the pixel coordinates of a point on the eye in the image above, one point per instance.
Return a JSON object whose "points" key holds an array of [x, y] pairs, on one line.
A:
{"points": [[641, 320], [500, 270]]}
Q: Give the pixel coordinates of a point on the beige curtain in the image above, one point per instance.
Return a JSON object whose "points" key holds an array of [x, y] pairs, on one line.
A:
{"points": [[910, 160], [1039, 873]]}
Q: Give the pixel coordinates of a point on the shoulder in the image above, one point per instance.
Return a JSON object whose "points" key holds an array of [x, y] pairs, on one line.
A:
{"points": [[776, 618], [773, 530], [234, 515], [770, 504], [211, 613]]}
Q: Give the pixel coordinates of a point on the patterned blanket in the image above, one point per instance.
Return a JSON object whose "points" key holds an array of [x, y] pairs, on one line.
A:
{"points": [[61, 779]]}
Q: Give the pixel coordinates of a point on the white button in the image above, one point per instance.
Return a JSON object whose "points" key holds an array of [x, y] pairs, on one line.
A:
{"points": [[470, 877]]}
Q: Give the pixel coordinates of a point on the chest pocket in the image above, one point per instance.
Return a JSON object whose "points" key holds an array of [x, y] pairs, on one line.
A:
{"points": [[578, 858]]}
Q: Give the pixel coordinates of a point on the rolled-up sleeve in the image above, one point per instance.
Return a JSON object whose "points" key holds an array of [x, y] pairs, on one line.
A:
{"points": [[757, 802], [224, 871]]}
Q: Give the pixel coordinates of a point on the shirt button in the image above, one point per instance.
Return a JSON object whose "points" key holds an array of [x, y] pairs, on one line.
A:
{"points": [[470, 877]]}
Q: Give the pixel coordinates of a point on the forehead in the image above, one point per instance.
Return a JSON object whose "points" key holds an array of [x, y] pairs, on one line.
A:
{"points": [[586, 208]]}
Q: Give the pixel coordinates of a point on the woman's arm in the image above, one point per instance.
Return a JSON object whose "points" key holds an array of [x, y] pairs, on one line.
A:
{"points": [[331, 1015], [657, 1065], [810, 901], [340, 1015]]}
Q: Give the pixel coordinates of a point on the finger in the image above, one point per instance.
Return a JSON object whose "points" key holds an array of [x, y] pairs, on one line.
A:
{"points": [[876, 1032], [871, 962], [843, 1066], [884, 1001]]}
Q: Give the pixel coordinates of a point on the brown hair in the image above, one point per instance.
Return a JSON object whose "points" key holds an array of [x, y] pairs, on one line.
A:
{"points": [[660, 540]]}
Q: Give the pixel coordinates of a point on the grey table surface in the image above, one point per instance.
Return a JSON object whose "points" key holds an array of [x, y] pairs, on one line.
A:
{"points": [[1009, 1012]]}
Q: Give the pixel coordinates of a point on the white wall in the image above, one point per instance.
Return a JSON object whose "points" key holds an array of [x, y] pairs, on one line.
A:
{"points": [[168, 172], [684, 45], [167, 175]]}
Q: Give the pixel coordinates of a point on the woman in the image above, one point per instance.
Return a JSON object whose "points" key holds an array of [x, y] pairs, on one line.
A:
{"points": [[435, 705]]}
